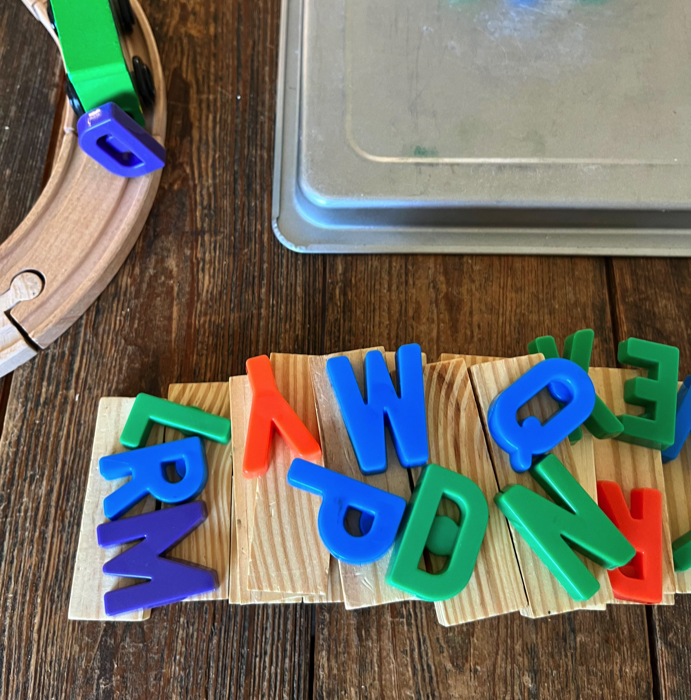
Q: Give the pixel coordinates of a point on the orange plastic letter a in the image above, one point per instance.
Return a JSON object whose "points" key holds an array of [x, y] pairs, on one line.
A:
{"points": [[270, 410], [640, 580]]}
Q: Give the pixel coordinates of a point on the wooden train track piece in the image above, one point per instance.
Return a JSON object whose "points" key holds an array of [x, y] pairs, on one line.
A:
{"points": [[80, 230]]}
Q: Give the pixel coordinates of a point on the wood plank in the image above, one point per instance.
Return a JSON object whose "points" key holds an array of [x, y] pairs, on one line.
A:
{"points": [[286, 553], [546, 596], [632, 466], [30, 66], [244, 494], [206, 286], [209, 544], [365, 585], [483, 305], [457, 442], [651, 299], [89, 583], [334, 589], [677, 475], [470, 360]]}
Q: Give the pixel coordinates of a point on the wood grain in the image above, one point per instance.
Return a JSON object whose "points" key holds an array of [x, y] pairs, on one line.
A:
{"points": [[209, 544], [470, 360], [83, 225], [546, 596], [677, 475], [457, 442], [632, 466], [286, 552], [244, 498], [651, 299], [362, 585], [89, 583]]}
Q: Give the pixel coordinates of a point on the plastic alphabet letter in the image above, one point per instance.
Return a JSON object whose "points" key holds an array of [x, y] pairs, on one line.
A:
{"points": [[420, 517], [366, 420], [657, 393], [572, 521], [683, 422], [147, 467], [578, 347], [523, 440], [189, 420], [639, 581], [168, 581], [681, 548], [271, 411], [340, 492], [114, 140]]}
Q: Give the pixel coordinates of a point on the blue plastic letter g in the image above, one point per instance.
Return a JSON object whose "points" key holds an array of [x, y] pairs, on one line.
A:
{"points": [[365, 421], [523, 440], [340, 492], [147, 467]]}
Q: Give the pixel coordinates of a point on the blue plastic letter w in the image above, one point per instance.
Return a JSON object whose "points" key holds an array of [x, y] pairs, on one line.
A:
{"points": [[365, 419]]}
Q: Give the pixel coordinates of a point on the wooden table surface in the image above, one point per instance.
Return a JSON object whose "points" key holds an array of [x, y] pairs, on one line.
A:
{"points": [[208, 286]]}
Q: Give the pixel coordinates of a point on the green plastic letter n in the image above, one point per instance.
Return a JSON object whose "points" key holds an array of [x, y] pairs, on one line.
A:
{"points": [[573, 522]]}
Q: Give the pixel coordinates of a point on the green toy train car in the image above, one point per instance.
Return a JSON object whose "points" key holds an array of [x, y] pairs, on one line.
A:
{"points": [[90, 33]]}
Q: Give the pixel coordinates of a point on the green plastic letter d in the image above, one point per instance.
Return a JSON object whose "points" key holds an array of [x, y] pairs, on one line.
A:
{"points": [[419, 522]]}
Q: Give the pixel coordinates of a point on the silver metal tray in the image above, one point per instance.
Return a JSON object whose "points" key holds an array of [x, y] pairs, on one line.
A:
{"points": [[474, 126]]}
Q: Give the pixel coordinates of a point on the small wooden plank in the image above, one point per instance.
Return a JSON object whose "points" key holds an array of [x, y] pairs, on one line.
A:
{"points": [[242, 512], [546, 596], [334, 591], [89, 583], [286, 553], [457, 442], [632, 466], [209, 544], [470, 360], [678, 495], [363, 586]]}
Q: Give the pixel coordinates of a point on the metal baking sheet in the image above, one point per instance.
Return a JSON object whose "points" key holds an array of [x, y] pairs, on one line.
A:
{"points": [[532, 126]]}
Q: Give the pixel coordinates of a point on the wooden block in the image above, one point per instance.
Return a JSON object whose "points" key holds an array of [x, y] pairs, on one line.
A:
{"points": [[470, 360], [457, 442], [546, 596], [209, 544], [89, 583], [678, 496], [632, 466], [242, 513], [363, 586], [286, 553], [334, 592]]}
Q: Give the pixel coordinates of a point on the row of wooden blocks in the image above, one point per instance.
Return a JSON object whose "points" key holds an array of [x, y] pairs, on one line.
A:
{"points": [[261, 534]]}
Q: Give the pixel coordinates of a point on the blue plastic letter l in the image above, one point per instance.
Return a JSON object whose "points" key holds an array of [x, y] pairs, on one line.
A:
{"points": [[366, 420], [523, 440], [340, 492], [147, 467]]}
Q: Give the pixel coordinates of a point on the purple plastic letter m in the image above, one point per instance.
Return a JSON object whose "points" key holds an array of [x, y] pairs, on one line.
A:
{"points": [[168, 581]]}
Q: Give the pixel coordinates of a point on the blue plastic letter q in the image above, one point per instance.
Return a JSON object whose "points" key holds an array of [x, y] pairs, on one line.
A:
{"points": [[523, 440]]}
